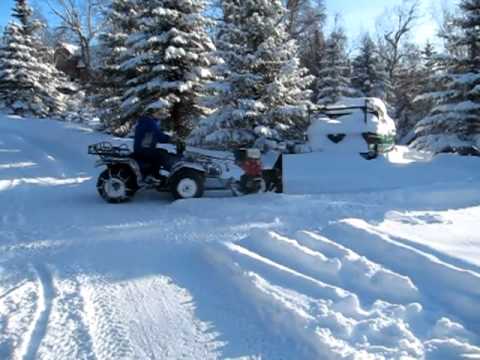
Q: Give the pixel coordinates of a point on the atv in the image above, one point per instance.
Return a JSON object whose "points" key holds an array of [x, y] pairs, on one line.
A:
{"points": [[191, 174]]}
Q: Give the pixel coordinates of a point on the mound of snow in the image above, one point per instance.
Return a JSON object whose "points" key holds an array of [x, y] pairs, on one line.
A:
{"points": [[325, 172], [320, 292]]}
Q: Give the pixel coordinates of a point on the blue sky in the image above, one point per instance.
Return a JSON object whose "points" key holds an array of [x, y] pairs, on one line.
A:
{"points": [[358, 15], [361, 15]]}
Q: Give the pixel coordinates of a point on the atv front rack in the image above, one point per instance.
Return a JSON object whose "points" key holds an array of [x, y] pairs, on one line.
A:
{"points": [[108, 150]]}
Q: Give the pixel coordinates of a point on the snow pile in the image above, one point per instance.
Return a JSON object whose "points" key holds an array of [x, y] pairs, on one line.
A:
{"points": [[434, 230], [345, 305], [349, 172]]}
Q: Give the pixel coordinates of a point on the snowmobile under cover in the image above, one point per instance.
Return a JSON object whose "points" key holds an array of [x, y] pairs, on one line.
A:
{"points": [[353, 125]]}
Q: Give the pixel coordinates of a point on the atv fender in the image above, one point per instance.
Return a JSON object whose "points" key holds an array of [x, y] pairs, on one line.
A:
{"points": [[187, 165]]}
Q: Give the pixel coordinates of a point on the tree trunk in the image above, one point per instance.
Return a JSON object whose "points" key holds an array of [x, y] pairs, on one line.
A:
{"points": [[178, 119]]}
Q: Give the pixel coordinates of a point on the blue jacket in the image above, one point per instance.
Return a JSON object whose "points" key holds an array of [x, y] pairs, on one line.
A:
{"points": [[148, 134]]}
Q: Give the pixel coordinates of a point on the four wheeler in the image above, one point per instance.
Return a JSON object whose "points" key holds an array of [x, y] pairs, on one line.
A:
{"points": [[191, 174]]}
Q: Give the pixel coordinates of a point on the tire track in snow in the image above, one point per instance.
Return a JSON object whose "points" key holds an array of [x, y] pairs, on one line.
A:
{"points": [[455, 289], [18, 313], [319, 319], [162, 318], [67, 334], [282, 278], [333, 264], [110, 336], [13, 289], [44, 308]]}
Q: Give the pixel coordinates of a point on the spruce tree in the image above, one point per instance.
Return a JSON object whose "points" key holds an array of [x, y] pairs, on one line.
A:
{"points": [[370, 77], [408, 85], [429, 80], [28, 84], [172, 60], [311, 53], [264, 92], [306, 21], [122, 17], [334, 79], [455, 119], [23, 13]]}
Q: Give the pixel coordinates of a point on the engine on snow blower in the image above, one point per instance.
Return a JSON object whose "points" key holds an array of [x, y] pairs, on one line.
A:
{"points": [[252, 181]]}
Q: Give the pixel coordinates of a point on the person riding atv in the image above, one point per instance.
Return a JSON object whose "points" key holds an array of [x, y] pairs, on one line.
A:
{"points": [[153, 159], [184, 174]]}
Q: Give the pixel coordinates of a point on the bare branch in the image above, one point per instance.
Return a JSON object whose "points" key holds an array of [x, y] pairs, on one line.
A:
{"points": [[404, 18], [82, 18]]}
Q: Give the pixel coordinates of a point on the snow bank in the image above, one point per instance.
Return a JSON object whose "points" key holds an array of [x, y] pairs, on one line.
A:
{"points": [[441, 232], [325, 172]]}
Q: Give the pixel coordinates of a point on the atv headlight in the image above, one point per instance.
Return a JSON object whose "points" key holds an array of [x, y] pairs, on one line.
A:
{"points": [[214, 170]]}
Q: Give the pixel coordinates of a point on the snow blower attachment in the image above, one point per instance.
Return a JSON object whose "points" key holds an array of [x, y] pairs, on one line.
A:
{"points": [[252, 181]]}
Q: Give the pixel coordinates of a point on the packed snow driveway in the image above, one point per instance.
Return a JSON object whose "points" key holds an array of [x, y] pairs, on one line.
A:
{"points": [[366, 275]]}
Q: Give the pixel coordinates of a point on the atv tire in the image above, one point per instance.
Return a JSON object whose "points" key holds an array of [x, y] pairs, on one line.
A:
{"points": [[117, 185], [187, 184]]}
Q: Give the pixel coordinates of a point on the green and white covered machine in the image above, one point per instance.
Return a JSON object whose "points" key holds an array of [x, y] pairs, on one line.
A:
{"points": [[353, 125]]}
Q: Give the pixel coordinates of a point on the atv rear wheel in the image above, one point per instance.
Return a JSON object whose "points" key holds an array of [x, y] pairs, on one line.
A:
{"points": [[117, 185], [187, 184]]}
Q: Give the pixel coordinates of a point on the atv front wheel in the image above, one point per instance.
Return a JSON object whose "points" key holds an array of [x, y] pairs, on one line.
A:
{"points": [[117, 185], [187, 184]]}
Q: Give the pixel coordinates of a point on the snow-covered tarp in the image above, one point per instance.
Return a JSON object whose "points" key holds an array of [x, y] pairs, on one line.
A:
{"points": [[350, 117]]}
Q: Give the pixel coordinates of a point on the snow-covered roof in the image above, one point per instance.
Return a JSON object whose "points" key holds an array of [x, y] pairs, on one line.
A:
{"points": [[71, 48]]}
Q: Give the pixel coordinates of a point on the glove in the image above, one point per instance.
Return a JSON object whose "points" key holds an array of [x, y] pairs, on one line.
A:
{"points": [[181, 146]]}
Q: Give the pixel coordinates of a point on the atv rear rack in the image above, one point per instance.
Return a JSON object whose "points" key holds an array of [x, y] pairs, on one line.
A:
{"points": [[108, 150]]}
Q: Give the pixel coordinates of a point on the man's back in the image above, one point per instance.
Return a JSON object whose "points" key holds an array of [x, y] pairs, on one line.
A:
{"points": [[148, 134]]}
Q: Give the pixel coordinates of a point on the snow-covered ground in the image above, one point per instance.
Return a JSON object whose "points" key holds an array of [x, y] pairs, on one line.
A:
{"points": [[392, 273]]}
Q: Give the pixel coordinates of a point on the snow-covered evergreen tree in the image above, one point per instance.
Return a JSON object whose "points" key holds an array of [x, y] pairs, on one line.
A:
{"points": [[334, 79], [28, 84], [407, 86], [172, 61], [455, 119], [429, 79], [306, 22], [264, 93], [369, 76], [311, 53], [23, 13], [122, 17]]}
